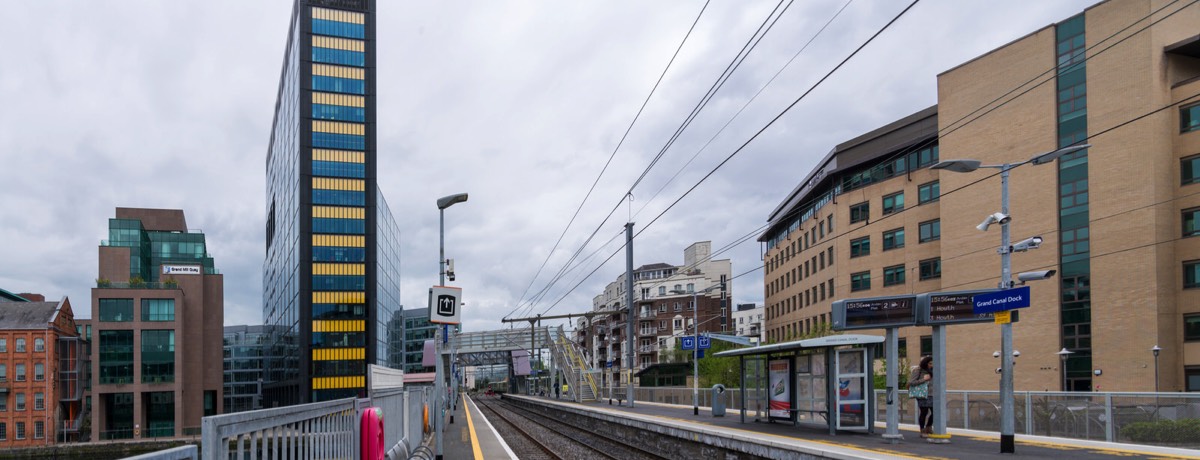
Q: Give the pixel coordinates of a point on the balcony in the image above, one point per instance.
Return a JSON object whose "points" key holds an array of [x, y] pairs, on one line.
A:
{"points": [[648, 331], [648, 349]]}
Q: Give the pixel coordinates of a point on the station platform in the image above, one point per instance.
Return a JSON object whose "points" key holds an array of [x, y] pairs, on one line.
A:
{"points": [[472, 436], [804, 439]]}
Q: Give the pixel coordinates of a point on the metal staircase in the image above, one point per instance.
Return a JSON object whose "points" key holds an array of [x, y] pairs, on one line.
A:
{"points": [[581, 384]]}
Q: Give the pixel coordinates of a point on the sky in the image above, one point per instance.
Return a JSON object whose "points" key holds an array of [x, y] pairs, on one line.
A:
{"points": [[521, 104]]}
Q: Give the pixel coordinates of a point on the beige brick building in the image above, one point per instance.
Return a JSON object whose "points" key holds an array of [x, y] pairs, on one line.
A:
{"points": [[1117, 220]]}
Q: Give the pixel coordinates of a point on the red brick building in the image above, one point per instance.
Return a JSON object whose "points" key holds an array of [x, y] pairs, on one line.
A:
{"points": [[42, 366]]}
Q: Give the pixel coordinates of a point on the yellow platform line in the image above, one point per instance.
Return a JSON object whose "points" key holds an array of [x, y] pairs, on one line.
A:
{"points": [[471, 427]]}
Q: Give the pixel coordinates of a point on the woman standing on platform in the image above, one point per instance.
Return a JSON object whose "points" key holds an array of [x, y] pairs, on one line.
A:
{"points": [[919, 381]]}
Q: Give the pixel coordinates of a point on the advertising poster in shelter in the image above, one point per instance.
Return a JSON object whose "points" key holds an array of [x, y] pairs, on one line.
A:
{"points": [[780, 390]]}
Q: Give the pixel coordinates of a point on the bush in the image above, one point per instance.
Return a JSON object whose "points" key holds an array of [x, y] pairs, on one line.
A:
{"points": [[103, 282], [1163, 431]]}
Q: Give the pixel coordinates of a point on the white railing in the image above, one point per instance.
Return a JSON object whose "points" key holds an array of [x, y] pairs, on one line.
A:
{"points": [[328, 429], [1138, 418]]}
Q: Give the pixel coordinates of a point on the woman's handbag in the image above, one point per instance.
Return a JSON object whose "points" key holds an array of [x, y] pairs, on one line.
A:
{"points": [[919, 391]]}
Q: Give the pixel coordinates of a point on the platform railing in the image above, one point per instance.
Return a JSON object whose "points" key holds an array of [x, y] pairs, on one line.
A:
{"points": [[1167, 419]]}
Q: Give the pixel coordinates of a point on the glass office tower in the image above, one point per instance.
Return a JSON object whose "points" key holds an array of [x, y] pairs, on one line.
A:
{"points": [[331, 276]]}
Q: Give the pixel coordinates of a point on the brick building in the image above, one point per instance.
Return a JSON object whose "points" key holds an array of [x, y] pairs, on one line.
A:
{"points": [[42, 367]]}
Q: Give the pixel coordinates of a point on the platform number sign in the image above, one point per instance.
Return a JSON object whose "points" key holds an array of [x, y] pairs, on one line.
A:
{"points": [[444, 302]]}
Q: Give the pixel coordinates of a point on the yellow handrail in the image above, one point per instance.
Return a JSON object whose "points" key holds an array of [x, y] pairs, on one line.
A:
{"points": [[570, 346]]}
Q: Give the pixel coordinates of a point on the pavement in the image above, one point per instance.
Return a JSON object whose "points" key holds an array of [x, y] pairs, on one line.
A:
{"points": [[471, 436]]}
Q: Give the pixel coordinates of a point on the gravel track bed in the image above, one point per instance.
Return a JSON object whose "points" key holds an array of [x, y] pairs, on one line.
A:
{"points": [[582, 444]]}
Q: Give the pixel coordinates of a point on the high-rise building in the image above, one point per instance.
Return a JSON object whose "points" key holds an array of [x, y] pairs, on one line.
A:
{"points": [[1119, 220], [157, 313], [331, 275], [42, 367]]}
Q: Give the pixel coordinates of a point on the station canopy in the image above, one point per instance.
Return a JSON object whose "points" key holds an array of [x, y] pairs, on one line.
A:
{"points": [[797, 345]]}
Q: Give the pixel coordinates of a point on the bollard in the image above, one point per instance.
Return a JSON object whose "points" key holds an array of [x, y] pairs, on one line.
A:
{"points": [[372, 434], [718, 400]]}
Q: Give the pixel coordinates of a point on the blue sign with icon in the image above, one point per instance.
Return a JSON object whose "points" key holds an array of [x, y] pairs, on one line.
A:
{"points": [[689, 343], [705, 342]]}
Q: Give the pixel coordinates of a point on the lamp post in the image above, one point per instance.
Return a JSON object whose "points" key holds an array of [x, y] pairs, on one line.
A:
{"points": [[696, 342], [1062, 357], [1156, 349], [1007, 416], [440, 385]]}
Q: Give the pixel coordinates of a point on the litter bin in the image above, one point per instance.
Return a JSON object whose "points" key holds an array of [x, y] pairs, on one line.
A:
{"points": [[718, 400]]}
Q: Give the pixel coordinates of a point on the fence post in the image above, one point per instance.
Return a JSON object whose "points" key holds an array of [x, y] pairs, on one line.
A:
{"points": [[1028, 412], [1108, 417], [966, 410]]}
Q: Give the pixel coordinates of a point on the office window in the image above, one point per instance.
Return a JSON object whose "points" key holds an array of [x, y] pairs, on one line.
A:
{"points": [[829, 223], [893, 203], [831, 288], [1191, 274], [39, 401], [39, 372], [116, 356], [927, 345], [928, 192], [931, 230], [1191, 222], [893, 239], [20, 430], [1189, 169], [860, 247], [158, 309], [20, 372], [860, 281], [20, 401], [39, 344], [1192, 374], [39, 429], [1191, 327], [20, 345], [821, 258], [893, 275], [116, 310], [931, 268], [1189, 118], [860, 212]]}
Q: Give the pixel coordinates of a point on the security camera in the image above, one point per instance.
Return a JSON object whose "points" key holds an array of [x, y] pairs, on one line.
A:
{"points": [[1027, 244], [995, 354], [1016, 354], [995, 218], [1039, 275]]}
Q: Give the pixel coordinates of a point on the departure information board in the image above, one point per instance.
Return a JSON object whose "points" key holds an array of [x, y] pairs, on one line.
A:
{"points": [[951, 308], [874, 313]]}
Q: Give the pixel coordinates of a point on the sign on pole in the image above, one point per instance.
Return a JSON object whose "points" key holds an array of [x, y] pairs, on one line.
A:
{"points": [[1003, 317], [704, 342], [1007, 299], [689, 342], [874, 313], [443, 305]]}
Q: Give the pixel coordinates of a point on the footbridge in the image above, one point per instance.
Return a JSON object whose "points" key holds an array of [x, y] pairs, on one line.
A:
{"points": [[566, 365]]}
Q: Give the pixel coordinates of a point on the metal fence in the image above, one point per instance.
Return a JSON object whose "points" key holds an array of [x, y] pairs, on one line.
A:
{"points": [[328, 429], [683, 396], [1167, 419]]}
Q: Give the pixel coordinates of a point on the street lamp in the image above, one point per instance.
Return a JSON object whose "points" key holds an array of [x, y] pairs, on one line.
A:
{"points": [[442, 204], [696, 343], [1156, 349], [1007, 417], [1062, 356]]}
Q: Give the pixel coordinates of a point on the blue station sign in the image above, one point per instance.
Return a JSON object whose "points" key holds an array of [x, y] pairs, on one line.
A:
{"points": [[1008, 299]]}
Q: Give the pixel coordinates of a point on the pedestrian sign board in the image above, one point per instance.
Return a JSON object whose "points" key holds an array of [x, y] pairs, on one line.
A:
{"points": [[1007, 299], [443, 305], [1003, 317], [704, 342], [689, 342]]}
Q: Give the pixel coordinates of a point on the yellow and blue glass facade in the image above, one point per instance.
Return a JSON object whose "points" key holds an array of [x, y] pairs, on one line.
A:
{"points": [[331, 274]]}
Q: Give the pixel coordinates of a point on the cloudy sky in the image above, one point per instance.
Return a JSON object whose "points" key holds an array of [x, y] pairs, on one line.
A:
{"points": [[168, 104]]}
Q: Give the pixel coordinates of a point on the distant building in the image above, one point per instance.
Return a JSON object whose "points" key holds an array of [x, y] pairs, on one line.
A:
{"points": [[417, 329], [157, 314], [41, 370], [663, 302], [748, 321], [246, 350]]}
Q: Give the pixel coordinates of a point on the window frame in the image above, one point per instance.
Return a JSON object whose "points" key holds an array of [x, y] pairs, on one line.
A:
{"points": [[1193, 163], [921, 269], [39, 344], [921, 234], [1191, 124], [933, 188], [1194, 265], [1195, 214], [858, 249], [862, 211], [896, 280], [1194, 334], [860, 281], [897, 200], [892, 234]]}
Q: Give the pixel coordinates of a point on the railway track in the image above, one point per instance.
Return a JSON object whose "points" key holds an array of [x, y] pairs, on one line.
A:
{"points": [[541, 437]]}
